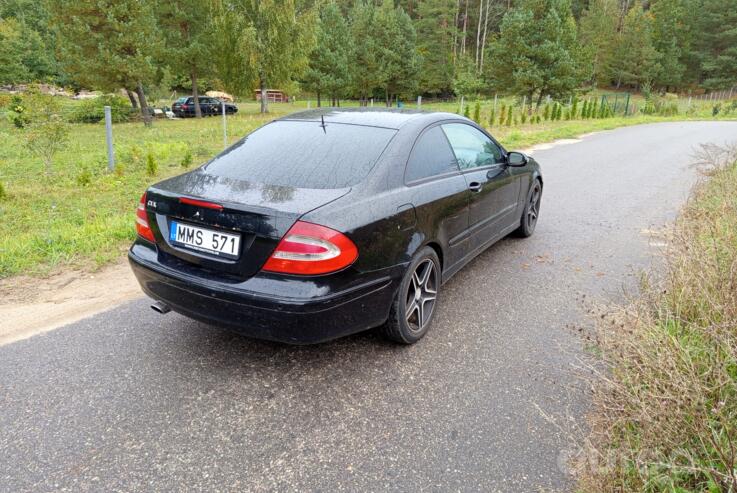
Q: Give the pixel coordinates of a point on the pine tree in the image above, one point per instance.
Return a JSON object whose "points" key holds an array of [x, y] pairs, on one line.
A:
{"points": [[671, 39], [503, 115], [328, 73], [509, 118], [538, 39], [435, 31], [366, 70], [635, 60], [717, 47], [108, 44], [492, 117], [186, 38], [477, 111], [546, 112], [597, 33], [574, 108]]}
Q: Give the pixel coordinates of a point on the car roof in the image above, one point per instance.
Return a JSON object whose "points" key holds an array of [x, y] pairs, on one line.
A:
{"points": [[372, 117]]}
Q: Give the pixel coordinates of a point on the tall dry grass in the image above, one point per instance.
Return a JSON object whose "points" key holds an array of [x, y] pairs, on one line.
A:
{"points": [[665, 408]]}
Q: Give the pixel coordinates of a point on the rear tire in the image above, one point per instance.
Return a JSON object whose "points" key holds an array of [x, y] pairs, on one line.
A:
{"points": [[414, 305], [531, 212]]}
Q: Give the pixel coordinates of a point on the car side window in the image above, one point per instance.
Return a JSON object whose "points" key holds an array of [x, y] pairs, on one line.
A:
{"points": [[431, 156], [471, 146]]}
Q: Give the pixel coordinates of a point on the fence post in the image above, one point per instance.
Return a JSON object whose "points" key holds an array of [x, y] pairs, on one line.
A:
{"points": [[225, 126], [627, 105], [419, 102], [462, 99], [309, 104], [372, 102], [524, 102], [109, 138]]}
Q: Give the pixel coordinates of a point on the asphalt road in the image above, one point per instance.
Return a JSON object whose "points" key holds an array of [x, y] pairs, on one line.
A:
{"points": [[488, 401]]}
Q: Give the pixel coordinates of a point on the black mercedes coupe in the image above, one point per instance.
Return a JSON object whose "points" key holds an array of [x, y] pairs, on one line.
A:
{"points": [[329, 222]]}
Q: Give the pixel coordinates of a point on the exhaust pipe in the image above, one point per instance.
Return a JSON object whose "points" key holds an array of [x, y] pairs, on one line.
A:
{"points": [[160, 307]]}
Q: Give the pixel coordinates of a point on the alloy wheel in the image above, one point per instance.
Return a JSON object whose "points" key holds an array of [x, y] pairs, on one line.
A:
{"points": [[533, 207], [421, 294]]}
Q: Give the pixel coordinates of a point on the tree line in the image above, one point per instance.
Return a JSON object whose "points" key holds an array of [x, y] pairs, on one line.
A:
{"points": [[381, 49]]}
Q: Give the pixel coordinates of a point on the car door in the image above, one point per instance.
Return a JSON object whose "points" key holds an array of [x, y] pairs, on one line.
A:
{"points": [[494, 189], [439, 194]]}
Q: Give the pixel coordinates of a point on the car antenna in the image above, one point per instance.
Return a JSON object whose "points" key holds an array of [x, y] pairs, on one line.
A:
{"points": [[322, 119]]}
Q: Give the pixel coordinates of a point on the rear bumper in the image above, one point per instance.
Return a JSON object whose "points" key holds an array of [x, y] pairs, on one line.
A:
{"points": [[265, 314]]}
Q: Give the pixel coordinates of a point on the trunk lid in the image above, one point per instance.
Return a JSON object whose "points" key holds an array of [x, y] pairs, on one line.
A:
{"points": [[261, 214]]}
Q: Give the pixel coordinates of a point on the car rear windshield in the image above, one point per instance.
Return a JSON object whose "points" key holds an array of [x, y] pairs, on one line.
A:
{"points": [[304, 154], [182, 100]]}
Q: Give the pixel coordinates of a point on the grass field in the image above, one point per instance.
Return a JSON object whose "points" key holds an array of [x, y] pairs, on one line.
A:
{"points": [[82, 216]]}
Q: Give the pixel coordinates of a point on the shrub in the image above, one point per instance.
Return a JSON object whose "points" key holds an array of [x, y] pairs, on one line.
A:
{"points": [[3, 193], [546, 112], [574, 109], [152, 167], [492, 117], [46, 132], [467, 111], [509, 118], [18, 115], [93, 110], [84, 178], [523, 118], [186, 161], [477, 112], [503, 115]]}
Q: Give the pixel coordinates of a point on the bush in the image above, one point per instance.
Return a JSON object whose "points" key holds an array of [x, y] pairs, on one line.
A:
{"points": [[477, 112], [84, 178], [93, 110], [186, 161], [18, 115], [3, 193], [492, 117], [152, 167], [467, 111]]}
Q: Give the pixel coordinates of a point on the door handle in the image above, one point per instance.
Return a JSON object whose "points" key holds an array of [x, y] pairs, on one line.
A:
{"points": [[474, 186]]}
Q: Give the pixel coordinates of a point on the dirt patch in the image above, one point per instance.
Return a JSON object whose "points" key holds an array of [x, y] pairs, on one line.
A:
{"points": [[30, 306], [555, 143]]}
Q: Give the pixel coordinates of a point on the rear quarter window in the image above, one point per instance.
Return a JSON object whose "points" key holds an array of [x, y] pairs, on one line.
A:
{"points": [[304, 154], [431, 156]]}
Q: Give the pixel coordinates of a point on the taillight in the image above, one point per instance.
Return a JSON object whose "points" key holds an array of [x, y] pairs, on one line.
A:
{"points": [[310, 249], [142, 227]]}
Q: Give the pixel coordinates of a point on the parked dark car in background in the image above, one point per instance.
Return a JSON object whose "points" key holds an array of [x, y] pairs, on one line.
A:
{"points": [[329, 222], [184, 107]]}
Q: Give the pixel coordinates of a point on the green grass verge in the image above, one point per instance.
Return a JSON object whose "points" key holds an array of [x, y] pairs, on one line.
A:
{"points": [[82, 216], [665, 416]]}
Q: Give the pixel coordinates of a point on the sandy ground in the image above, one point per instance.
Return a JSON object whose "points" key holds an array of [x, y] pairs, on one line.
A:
{"points": [[29, 306]]}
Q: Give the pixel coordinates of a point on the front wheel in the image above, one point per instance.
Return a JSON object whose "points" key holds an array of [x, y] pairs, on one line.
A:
{"points": [[531, 211], [414, 305]]}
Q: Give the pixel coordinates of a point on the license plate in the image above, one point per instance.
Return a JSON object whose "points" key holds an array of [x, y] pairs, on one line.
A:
{"points": [[205, 240]]}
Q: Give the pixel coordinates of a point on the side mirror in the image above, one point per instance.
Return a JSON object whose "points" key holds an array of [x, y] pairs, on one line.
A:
{"points": [[517, 159]]}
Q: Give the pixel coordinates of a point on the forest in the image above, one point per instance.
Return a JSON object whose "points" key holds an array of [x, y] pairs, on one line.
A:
{"points": [[358, 49]]}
